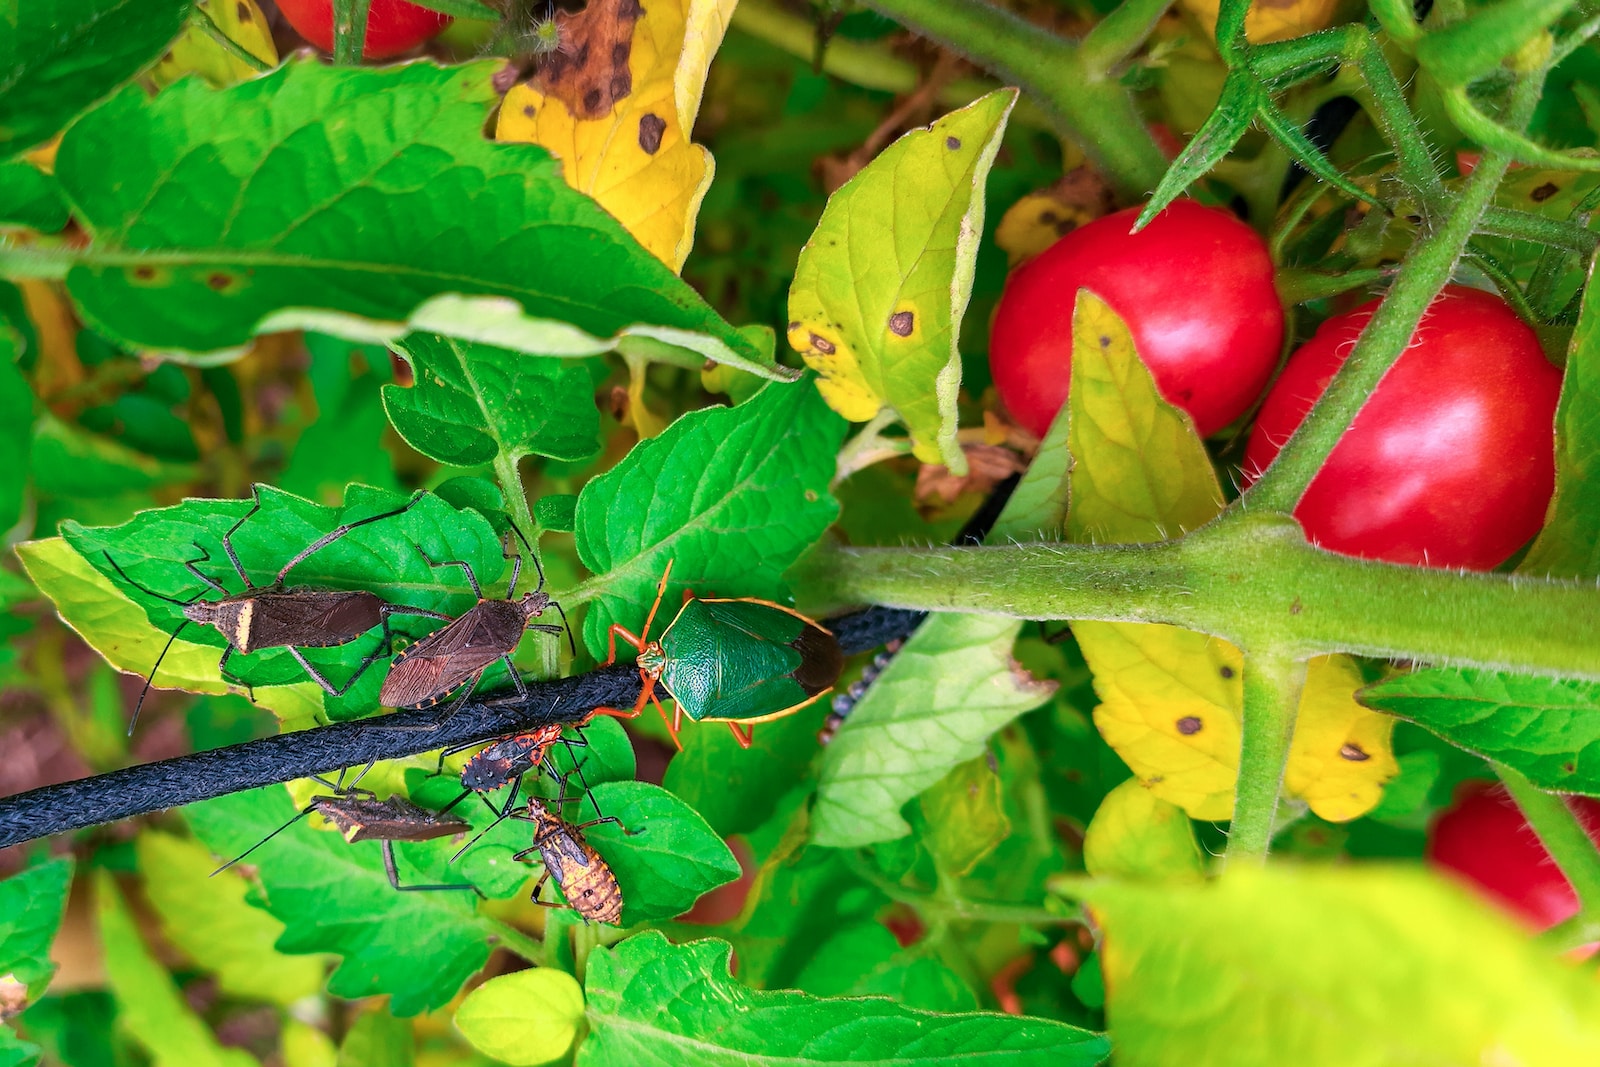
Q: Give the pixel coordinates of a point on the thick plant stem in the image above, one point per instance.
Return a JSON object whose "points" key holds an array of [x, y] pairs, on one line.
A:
{"points": [[349, 31], [1272, 685], [1422, 275], [1563, 837], [1097, 113]]}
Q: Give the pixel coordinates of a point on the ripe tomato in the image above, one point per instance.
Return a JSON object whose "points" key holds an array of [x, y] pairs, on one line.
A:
{"points": [[1485, 839], [1452, 461], [1195, 287], [393, 26]]}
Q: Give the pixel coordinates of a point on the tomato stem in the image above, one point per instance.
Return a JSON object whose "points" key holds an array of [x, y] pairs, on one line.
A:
{"points": [[1096, 112], [1272, 685], [349, 31], [1558, 829]]}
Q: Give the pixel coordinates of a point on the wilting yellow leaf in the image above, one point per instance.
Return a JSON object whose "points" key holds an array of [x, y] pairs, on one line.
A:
{"points": [[616, 104], [198, 52]]}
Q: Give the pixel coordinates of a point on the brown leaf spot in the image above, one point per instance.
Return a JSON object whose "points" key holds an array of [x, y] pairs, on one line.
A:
{"points": [[527, 110], [952, 143], [1189, 725], [144, 274], [1227, 672], [242, 12], [1544, 192], [901, 323], [1296, 607], [1353, 752], [219, 281], [591, 102], [651, 127], [823, 345]]}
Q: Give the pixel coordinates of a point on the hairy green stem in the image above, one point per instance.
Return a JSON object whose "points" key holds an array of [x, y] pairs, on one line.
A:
{"points": [[946, 906], [349, 31], [1564, 838], [510, 937], [516, 499], [1249, 579], [1096, 112], [1120, 34], [1272, 685]]}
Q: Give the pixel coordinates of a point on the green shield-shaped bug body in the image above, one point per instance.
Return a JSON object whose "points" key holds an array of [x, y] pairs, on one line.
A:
{"points": [[738, 661]]}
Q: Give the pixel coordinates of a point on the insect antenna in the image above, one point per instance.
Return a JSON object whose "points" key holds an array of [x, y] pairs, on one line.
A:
{"points": [[133, 721], [539, 570], [296, 817]]}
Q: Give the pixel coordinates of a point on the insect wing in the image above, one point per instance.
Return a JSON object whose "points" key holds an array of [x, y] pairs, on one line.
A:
{"points": [[446, 658], [732, 660], [312, 619]]}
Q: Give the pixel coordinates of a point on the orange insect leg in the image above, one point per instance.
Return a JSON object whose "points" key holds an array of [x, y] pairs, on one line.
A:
{"points": [[745, 737]]}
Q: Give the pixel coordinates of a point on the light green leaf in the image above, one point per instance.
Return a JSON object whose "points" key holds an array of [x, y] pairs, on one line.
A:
{"points": [[966, 816], [378, 1039], [527, 1018], [472, 403], [1546, 728], [651, 1002], [304, 1045], [59, 56], [1569, 545], [15, 1052], [730, 496], [1333, 967], [1138, 836], [333, 896], [1141, 471], [209, 919], [31, 906], [881, 287], [945, 692], [150, 1006], [30, 197], [864, 959], [356, 201]]}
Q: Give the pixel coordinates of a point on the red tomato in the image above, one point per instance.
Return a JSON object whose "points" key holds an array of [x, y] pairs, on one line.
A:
{"points": [[1452, 461], [393, 26], [1485, 840], [1195, 287]]}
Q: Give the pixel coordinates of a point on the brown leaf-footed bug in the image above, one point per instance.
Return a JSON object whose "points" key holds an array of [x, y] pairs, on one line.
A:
{"points": [[458, 653], [361, 816], [275, 616]]}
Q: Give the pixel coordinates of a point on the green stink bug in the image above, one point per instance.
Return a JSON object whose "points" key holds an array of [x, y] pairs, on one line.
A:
{"points": [[730, 660]]}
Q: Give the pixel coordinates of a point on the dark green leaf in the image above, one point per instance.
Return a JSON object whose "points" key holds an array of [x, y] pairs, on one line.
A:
{"points": [[30, 197], [866, 960], [333, 896], [653, 1002], [1547, 728], [59, 56], [730, 496], [31, 906], [1227, 123], [381, 556], [472, 403], [355, 200], [15, 1052], [737, 789], [557, 512], [1569, 545], [16, 429]]}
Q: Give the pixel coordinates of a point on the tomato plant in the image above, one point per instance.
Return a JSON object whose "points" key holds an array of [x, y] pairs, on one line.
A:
{"points": [[1484, 838], [393, 26], [1196, 288], [1451, 463]]}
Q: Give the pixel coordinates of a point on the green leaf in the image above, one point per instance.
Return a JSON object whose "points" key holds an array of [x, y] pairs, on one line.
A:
{"points": [[59, 56], [15, 1052], [378, 1039], [31, 906], [381, 556], [1569, 545], [945, 692], [661, 850], [473, 404], [333, 896], [653, 1002], [210, 921], [360, 202], [1136, 835], [966, 816], [1333, 966], [1229, 120], [1141, 471], [30, 197], [557, 512], [730, 496], [865, 960], [527, 1018], [881, 287], [1547, 728], [16, 429], [69, 461], [1467, 48], [150, 1006]]}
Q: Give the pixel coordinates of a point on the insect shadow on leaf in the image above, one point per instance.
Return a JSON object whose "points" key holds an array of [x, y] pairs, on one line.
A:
{"points": [[361, 816], [276, 616], [457, 654]]}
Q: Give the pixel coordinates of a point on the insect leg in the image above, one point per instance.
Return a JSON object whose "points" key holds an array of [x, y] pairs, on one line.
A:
{"points": [[148, 682], [646, 691], [618, 630], [227, 538], [334, 535], [674, 723], [316, 675], [466, 568], [394, 876], [205, 557], [744, 738]]}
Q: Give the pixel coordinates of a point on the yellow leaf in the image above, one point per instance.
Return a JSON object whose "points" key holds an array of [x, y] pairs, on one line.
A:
{"points": [[1171, 699], [616, 103], [1138, 836], [1141, 473], [1042, 218], [1270, 20], [197, 51]]}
